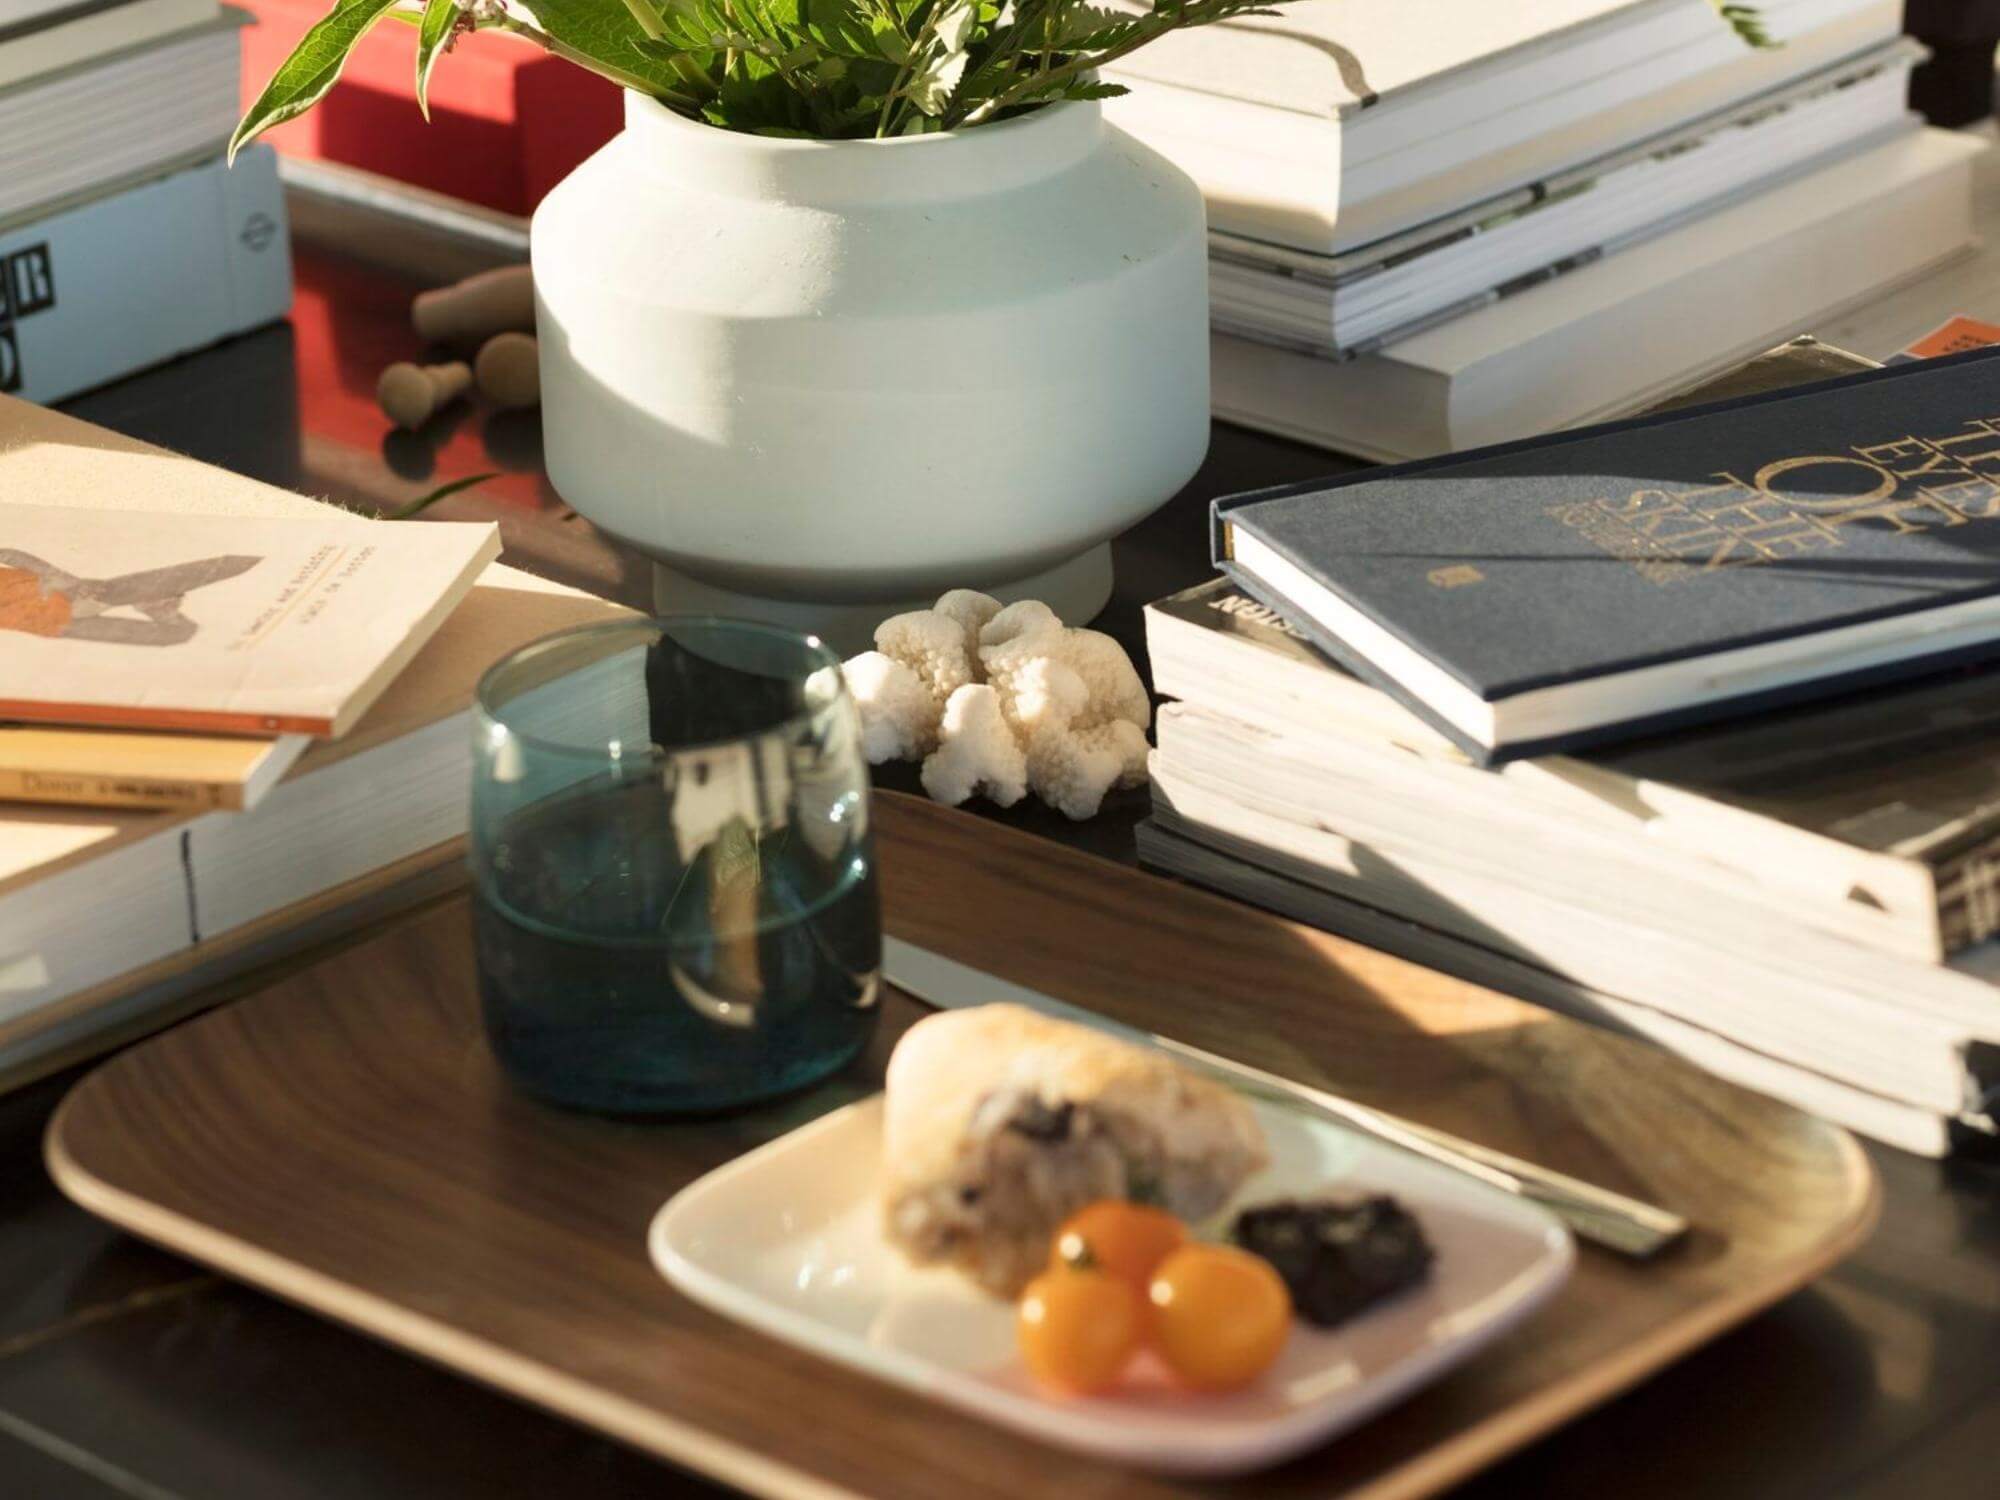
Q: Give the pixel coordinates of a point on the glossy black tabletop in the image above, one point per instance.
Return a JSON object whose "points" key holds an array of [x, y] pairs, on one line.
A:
{"points": [[128, 1372]]}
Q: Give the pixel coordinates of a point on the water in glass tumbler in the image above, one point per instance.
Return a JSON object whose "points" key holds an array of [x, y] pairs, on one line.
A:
{"points": [[675, 890]]}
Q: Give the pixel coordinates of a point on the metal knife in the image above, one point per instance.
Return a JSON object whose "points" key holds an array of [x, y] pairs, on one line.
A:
{"points": [[1627, 1225]]}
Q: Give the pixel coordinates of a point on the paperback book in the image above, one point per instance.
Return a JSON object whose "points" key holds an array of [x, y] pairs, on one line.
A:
{"points": [[215, 624], [116, 768]]}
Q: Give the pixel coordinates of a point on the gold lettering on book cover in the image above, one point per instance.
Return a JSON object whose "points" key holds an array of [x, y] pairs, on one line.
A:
{"points": [[1797, 506]]}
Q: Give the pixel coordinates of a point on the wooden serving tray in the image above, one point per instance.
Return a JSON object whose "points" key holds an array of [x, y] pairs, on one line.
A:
{"points": [[344, 1141]]}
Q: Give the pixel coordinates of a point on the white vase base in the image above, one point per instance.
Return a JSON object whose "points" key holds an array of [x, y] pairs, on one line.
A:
{"points": [[1076, 590]]}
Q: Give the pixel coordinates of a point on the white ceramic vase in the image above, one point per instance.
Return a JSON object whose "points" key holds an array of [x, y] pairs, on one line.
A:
{"points": [[820, 381]]}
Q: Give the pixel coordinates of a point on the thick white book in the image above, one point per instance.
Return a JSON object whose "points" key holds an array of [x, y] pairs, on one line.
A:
{"points": [[123, 282], [69, 33], [1359, 302], [1345, 58], [20, 15], [1339, 122], [144, 108], [1277, 883], [1861, 1032], [1589, 865], [1874, 818], [1613, 336]]}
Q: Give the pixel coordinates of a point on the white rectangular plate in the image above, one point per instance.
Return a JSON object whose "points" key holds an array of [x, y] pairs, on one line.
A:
{"points": [[788, 1240]]}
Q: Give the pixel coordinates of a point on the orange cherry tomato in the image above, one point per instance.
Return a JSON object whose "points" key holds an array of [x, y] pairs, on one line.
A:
{"points": [[1129, 1240], [1078, 1329], [1220, 1315]]}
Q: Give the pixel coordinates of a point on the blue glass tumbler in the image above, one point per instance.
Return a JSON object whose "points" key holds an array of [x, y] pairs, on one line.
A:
{"points": [[674, 882]]}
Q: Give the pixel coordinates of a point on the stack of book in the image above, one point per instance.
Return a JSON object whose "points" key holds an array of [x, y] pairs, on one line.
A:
{"points": [[1690, 724], [1439, 226], [124, 238], [237, 722]]}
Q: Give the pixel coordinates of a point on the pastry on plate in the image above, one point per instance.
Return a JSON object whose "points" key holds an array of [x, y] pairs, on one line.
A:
{"points": [[1000, 1123]]}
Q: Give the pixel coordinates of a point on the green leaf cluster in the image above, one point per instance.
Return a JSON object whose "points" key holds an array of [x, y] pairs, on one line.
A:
{"points": [[823, 69]]}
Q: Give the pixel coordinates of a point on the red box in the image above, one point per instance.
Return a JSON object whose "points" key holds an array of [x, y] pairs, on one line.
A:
{"points": [[507, 120]]}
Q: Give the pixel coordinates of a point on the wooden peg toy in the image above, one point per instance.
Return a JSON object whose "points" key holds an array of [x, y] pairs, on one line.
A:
{"points": [[509, 370], [496, 301], [411, 394]]}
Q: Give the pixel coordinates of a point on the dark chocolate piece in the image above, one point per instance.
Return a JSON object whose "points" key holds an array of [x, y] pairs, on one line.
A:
{"points": [[1338, 1257]]}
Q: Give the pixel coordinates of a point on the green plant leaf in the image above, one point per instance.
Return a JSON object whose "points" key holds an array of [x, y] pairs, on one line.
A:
{"points": [[424, 502], [605, 37], [1080, 26], [434, 33], [1086, 89], [890, 41], [841, 28], [314, 67]]}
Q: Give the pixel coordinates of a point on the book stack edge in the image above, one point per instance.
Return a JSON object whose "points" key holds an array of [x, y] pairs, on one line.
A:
{"points": [[1805, 899], [1441, 227], [125, 240]]}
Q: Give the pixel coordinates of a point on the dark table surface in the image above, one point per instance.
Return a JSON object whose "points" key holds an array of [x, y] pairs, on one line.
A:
{"points": [[126, 1371]]}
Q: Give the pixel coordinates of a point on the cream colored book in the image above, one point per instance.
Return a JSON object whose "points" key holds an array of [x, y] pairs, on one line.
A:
{"points": [[1617, 335], [114, 921], [1332, 124], [123, 768], [227, 625], [82, 31]]}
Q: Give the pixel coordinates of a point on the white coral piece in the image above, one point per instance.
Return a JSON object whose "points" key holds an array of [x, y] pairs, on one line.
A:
{"points": [[1029, 617], [1013, 640], [1046, 695], [1128, 741], [977, 752], [1116, 689], [899, 714], [1018, 700], [972, 610], [933, 646], [1072, 767]]}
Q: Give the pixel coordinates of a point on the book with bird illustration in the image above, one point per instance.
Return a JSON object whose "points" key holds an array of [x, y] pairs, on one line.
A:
{"points": [[221, 624]]}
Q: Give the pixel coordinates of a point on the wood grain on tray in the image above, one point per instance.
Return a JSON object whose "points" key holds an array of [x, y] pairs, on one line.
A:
{"points": [[344, 1140]]}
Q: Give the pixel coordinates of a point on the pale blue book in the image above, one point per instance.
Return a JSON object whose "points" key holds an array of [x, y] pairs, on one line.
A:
{"points": [[101, 289]]}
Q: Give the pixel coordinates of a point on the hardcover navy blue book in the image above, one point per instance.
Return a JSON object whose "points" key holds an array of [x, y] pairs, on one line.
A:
{"points": [[1561, 592]]}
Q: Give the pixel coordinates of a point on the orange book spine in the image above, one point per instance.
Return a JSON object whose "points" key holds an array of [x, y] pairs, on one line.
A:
{"points": [[97, 790], [195, 721]]}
